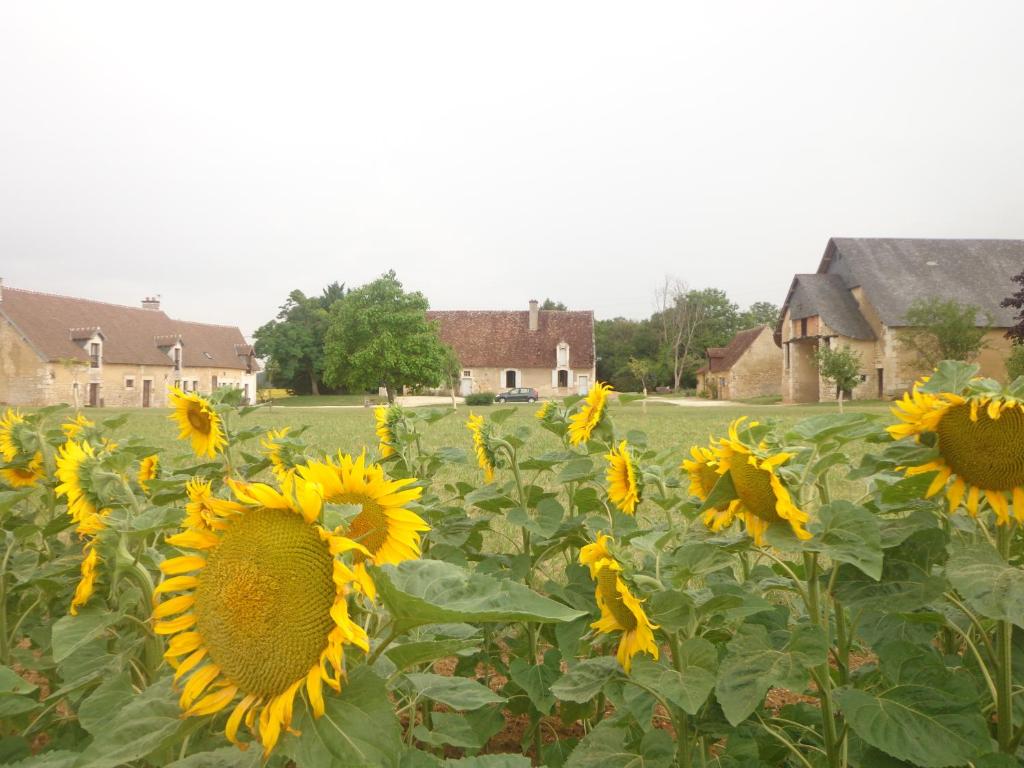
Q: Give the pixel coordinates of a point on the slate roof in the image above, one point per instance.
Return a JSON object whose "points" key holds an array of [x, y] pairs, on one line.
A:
{"points": [[500, 339], [131, 335], [894, 272], [828, 297], [721, 359]]}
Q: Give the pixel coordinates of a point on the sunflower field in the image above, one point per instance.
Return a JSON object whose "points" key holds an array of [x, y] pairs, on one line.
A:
{"points": [[845, 591]]}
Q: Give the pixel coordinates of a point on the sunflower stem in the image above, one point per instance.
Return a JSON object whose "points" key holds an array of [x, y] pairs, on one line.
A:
{"points": [[822, 674], [684, 755], [1004, 645]]}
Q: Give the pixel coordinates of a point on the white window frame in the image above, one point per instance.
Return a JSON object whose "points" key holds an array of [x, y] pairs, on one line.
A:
{"points": [[504, 379], [559, 362]]}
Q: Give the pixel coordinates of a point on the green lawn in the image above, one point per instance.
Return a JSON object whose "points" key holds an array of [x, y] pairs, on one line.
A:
{"points": [[303, 401], [667, 426]]}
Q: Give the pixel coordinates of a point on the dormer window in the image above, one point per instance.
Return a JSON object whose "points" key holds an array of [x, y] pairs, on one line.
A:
{"points": [[563, 355], [94, 354], [177, 358]]}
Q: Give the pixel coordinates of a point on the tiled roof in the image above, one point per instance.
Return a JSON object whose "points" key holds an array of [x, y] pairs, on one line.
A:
{"points": [[498, 339], [827, 297], [131, 336], [721, 359]]}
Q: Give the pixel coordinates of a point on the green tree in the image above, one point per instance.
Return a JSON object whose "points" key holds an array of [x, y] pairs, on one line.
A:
{"points": [[839, 366], [943, 329], [1015, 363], [759, 313], [641, 369], [379, 335], [619, 339], [1016, 301], [551, 304], [294, 342]]}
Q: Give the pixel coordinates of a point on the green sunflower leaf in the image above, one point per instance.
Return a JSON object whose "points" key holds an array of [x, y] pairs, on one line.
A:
{"points": [[455, 692], [900, 722], [723, 492], [988, 585], [409, 654], [536, 680], [609, 744], [849, 534], [687, 688], [755, 662], [586, 679], [430, 592], [358, 728], [225, 757]]}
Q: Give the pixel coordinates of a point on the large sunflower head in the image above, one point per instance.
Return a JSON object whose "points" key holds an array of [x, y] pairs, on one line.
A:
{"points": [[149, 469], [486, 455], [388, 531], [623, 487], [702, 468], [24, 471], [977, 437], [583, 423], [259, 610], [621, 611], [763, 497], [387, 419], [11, 444], [76, 463], [197, 422], [73, 429]]}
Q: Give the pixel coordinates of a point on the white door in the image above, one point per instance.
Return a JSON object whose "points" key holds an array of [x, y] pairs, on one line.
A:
{"points": [[584, 384], [466, 386]]}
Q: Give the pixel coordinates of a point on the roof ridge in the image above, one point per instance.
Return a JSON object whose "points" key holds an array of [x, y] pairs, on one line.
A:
{"points": [[7, 288]]}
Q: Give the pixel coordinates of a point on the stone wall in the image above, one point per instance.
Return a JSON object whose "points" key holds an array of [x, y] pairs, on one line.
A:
{"points": [[756, 373], [493, 380], [24, 377]]}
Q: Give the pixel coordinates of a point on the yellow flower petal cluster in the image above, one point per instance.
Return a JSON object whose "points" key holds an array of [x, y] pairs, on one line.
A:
{"points": [[204, 511], [9, 447], [979, 444], [258, 610], [149, 469], [621, 611], [583, 423], [73, 429], [388, 532], [273, 449], [24, 473], [623, 488], [761, 496], [485, 456], [75, 463], [547, 410], [385, 418], [197, 422]]}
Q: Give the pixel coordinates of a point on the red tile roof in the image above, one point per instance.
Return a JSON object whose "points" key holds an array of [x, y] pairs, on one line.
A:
{"points": [[721, 359], [499, 339], [131, 335]]}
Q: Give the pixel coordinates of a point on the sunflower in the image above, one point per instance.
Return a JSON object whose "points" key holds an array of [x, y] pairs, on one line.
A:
{"points": [[75, 463], [486, 458], [259, 611], [197, 421], [545, 411], [388, 531], [621, 611], [24, 474], [8, 441], [623, 488], [763, 499], [978, 440], [274, 450], [582, 424], [72, 429], [387, 418], [702, 468], [149, 469], [204, 511]]}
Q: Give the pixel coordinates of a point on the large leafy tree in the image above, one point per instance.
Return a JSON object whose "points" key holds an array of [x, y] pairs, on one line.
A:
{"points": [[1016, 301], [379, 335], [760, 313], [689, 321], [294, 341], [618, 340], [839, 366], [943, 329]]}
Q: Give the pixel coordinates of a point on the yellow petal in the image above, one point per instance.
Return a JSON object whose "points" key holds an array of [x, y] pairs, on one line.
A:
{"points": [[184, 564], [173, 606], [231, 730], [176, 584], [189, 664], [193, 539], [175, 625]]}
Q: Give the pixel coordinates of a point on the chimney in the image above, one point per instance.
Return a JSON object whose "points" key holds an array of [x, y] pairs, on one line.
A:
{"points": [[151, 302], [534, 314]]}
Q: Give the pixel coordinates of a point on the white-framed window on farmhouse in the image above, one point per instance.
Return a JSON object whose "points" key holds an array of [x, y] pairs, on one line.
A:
{"points": [[562, 355], [129, 382], [95, 354], [467, 374], [510, 378]]}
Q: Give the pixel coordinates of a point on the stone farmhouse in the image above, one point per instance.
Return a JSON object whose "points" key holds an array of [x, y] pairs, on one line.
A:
{"points": [[549, 350], [747, 367], [58, 349], [859, 298]]}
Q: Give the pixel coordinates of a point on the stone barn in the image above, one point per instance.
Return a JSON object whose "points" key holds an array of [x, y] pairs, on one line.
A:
{"points": [[747, 367]]}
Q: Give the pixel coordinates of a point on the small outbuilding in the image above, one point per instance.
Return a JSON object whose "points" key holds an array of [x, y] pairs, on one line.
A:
{"points": [[747, 367]]}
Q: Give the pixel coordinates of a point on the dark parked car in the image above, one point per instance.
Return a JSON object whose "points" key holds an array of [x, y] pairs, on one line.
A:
{"points": [[518, 395]]}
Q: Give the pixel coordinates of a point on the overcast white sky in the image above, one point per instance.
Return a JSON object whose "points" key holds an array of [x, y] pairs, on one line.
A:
{"points": [[221, 154]]}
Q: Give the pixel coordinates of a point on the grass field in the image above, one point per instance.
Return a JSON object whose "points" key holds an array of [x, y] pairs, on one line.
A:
{"points": [[668, 427]]}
